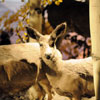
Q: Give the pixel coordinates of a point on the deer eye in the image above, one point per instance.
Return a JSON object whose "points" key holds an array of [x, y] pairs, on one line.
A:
{"points": [[41, 44]]}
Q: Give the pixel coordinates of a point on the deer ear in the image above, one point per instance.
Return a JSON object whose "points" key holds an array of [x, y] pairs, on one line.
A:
{"points": [[59, 31], [33, 33]]}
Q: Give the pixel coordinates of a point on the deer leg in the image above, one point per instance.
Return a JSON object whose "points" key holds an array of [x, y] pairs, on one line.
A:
{"points": [[40, 92], [46, 86]]}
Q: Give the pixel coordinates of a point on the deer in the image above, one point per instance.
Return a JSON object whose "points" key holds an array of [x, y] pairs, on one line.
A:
{"points": [[21, 69], [18, 71], [72, 78]]}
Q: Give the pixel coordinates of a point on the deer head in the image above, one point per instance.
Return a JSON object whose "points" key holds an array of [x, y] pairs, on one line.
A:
{"points": [[48, 42]]}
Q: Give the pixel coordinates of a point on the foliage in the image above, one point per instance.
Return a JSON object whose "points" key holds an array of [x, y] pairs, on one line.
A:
{"points": [[17, 21], [49, 2], [46, 2], [21, 18], [75, 46]]}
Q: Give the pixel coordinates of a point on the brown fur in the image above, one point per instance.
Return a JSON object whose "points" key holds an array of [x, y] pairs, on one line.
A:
{"points": [[18, 68]]}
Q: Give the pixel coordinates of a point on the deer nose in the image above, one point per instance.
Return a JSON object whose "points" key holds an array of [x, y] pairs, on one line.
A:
{"points": [[47, 56]]}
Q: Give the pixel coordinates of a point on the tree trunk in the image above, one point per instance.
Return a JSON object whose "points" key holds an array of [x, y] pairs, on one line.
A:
{"points": [[95, 37], [35, 15]]}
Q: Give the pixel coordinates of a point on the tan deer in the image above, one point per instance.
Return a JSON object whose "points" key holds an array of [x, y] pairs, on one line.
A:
{"points": [[20, 66], [72, 78]]}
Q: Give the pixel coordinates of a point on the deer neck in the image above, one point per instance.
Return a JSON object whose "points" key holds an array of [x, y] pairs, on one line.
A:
{"points": [[54, 64], [51, 73], [52, 67]]}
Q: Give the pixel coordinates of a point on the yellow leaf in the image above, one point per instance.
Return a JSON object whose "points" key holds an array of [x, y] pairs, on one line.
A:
{"points": [[25, 38], [27, 20], [57, 3], [18, 40], [18, 33], [24, 15], [27, 4], [22, 28], [49, 2], [25, 33], [20, 24], [60, 0]]}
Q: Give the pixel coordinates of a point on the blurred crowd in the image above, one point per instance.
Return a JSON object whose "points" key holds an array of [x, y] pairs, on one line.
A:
{"points": [[75, 46]]}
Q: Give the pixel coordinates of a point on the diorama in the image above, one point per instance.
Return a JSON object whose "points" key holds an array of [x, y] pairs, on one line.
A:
{"points": [[49, 50]]}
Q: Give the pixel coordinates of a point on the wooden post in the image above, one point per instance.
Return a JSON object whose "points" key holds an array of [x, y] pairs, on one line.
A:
{"points": [[95, 37], [35, 14]]}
